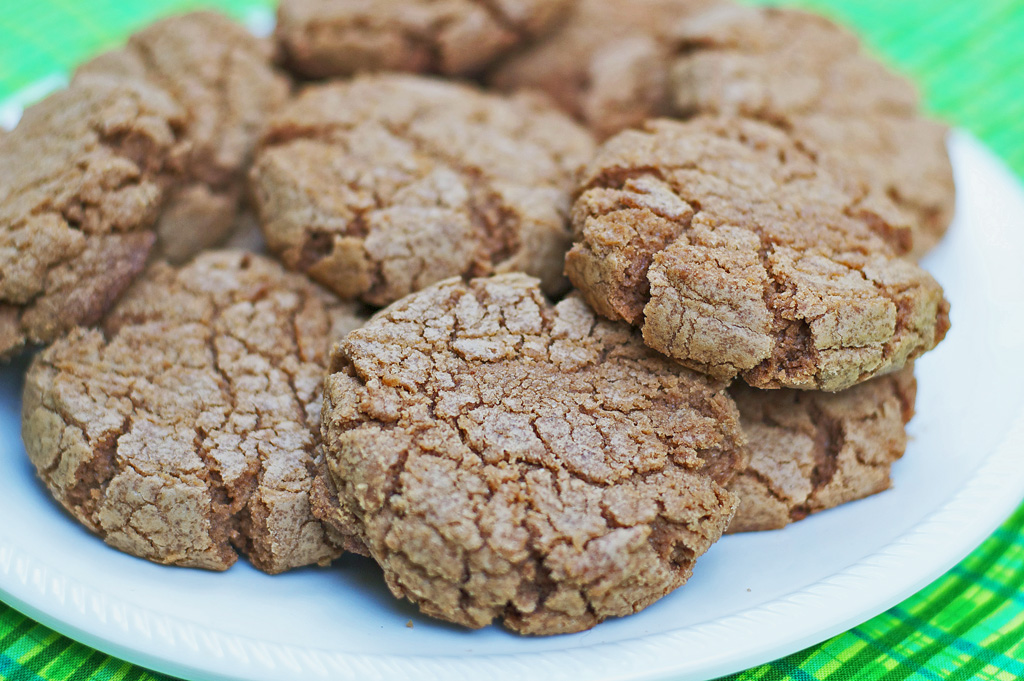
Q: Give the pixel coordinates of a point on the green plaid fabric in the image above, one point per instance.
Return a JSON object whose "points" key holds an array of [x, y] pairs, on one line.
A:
{"points": [[968, 58]]}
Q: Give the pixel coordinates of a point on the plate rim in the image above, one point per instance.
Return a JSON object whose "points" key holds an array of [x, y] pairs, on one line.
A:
{"points": [[107, 623]]}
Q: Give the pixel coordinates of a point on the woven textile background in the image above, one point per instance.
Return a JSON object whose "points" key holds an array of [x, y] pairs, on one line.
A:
{"points": [[967, 56]]}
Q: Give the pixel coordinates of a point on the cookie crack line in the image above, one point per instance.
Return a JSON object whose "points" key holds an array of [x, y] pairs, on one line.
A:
{"points": [[227, 390], [222, 95], [618, 176]]}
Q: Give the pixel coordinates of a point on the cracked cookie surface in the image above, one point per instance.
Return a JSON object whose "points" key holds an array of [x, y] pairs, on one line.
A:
{"points": [[222, 78], [383, 185], [811, 77], [82, 179], [185, 428], [322, 38], [810, 451], [148, 143], [608, 63], [501, 457], [739, 254]]}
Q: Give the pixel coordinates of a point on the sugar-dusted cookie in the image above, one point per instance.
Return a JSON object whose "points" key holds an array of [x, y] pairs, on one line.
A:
{"points": [[804, 73], [184, 430], [153, 139], [321, 38], [382, 185], [608, 64], [738, 253], [810, 451], [503, 458], [222, 78]]}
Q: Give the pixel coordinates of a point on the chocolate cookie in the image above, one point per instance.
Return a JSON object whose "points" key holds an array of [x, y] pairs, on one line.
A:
{"points": [[321, 38], [738, 253], [503, 458], [185, 428], [153, 137], [380, 186], [810, 450], [802, 72], [221, 76], [608, 64]]}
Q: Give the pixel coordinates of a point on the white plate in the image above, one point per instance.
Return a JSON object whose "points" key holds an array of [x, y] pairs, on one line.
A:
{"points": [[753, 597]]}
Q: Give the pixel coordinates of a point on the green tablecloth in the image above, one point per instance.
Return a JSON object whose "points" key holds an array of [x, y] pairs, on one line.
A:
{"points": [[968, 58]]}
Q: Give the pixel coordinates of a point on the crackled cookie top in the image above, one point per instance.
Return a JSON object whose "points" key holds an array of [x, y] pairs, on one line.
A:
{"points": [[810, 76], [904, 158], [184, 429], [221, 76], [739, 254], [321, 38], [81, 182], [383, 185], [810, 450], [504, 458], [608, 63], [152, 137]]}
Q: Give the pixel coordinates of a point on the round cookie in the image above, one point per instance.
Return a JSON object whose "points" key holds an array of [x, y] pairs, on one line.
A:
{"points": [[739, 254], [185, 429], [83, 179], [501, 457], [608, 63], [806, 74], [810, 451], [221, 75], [323, 38], [150, 139], [385, 184]]}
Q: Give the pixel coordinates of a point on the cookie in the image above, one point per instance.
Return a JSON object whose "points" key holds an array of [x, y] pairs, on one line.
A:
{"points": [[802, 72], [739, 254], [83, 179], [382, 185], [607, 64], [153, 139], [501, 457], [810, 451], [323, 38], [222, 77], [184, 430]]}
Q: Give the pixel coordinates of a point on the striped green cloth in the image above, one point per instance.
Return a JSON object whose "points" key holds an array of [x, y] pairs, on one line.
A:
{"points": [[968, 58]]}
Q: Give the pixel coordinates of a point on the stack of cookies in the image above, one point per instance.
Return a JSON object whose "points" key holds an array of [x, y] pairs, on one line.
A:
{"points": [[531, 302]]}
